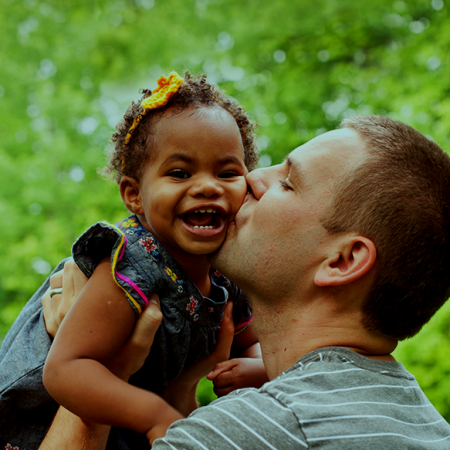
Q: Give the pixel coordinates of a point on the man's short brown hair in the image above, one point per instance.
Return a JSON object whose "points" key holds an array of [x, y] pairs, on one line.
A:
{"points": [[399, 198]]}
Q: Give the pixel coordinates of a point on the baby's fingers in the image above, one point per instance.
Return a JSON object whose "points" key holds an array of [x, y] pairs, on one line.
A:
{"points": [[223, 366], [224, 384]]}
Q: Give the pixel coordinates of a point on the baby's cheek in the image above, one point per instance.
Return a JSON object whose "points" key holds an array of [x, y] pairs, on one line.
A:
{"points": [[241, 190]]}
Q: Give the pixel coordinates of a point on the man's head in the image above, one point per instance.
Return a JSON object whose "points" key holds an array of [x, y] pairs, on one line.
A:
{"points": [[278, 242], [374, 181], [399, 198]]}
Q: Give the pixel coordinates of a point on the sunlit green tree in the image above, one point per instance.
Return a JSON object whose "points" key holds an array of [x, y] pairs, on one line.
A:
{"points": [[69, 69]]}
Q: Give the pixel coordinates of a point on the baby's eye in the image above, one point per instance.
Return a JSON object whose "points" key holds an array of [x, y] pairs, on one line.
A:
{"points": [[179, 173], [285, 186], [228, 174]]}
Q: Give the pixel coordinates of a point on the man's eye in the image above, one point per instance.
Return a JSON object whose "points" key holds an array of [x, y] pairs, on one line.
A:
{"points": [[178, 173], [228, 175], [285, 186]]}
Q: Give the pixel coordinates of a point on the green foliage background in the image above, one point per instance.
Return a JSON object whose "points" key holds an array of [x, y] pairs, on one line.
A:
{"points": [[69, 69]]}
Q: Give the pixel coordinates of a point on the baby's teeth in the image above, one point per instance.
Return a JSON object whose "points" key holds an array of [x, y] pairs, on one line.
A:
{"points": [[204, 211]]}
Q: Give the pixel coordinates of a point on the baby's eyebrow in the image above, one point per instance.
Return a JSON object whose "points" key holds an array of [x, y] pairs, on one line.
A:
{"points": [[230, 159], [179, 157], [189, 160]]}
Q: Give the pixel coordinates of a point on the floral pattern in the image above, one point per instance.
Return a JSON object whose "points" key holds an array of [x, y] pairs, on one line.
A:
{"points": [[149, 244], [193, 307], [171, 274], [9, 447], [129, 223]]}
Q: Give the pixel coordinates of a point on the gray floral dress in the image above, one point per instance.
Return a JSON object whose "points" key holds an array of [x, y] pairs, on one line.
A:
{"points": [[142, 266]]}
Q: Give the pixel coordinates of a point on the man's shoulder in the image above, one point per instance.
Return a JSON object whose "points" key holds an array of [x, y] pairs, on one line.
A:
{"points": [[330, 397], [246, 418], [340, 396]]}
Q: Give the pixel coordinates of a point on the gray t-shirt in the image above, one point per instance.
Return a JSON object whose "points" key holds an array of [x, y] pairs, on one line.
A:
{"points": [[332, 398]]}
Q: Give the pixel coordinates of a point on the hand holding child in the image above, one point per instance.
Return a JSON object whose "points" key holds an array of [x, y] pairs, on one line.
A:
{"points": [[181, 392], [56, 306]]}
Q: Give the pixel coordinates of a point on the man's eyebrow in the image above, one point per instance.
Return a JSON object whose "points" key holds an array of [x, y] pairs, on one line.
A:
{"points": [[295, 169]]}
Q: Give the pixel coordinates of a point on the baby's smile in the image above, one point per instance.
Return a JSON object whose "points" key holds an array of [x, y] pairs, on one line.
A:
{"points": [[206, 218]]}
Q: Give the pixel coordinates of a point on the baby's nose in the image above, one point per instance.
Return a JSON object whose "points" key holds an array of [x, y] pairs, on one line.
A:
{"points": [[207, 187]]}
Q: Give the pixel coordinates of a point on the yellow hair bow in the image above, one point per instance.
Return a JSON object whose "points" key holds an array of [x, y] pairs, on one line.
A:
{"points": [[167, 88]]}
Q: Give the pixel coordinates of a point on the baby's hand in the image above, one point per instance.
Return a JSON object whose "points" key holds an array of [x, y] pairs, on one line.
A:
{"points": [[237, 373]]}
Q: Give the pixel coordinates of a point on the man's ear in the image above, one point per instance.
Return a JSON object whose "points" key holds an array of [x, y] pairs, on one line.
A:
{"points": [[131, 195], [354, 258]]}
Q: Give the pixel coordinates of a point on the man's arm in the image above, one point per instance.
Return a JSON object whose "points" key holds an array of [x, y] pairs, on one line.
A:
{"points": [[69, 431]]}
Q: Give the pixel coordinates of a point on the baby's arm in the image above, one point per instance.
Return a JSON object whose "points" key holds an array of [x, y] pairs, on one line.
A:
{"points": [[246, 369], [75, 373]]}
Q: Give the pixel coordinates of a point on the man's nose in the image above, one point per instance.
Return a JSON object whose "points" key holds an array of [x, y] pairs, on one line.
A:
{"points": [[260, 180], [207, 186]]}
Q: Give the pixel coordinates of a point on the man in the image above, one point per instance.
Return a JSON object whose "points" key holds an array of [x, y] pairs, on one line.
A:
{"points": [[342, 250]]}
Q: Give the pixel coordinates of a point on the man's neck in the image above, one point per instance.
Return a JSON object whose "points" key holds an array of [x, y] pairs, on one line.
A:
{"points": [[288, 333]]}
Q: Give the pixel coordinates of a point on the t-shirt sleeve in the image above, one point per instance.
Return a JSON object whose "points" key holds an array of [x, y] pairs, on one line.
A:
{"points": [[247, 420], [102, 240]]}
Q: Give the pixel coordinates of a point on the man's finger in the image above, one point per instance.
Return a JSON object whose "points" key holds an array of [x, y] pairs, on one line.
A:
{"points": [[148, 323], [47, 306], [79, 278], [72, 281], [223, 348], [131, 356], [226, 335], [56, 280]]}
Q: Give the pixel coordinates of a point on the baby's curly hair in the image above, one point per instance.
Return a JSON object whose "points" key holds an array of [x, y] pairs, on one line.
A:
{"points": [[194, 92]]}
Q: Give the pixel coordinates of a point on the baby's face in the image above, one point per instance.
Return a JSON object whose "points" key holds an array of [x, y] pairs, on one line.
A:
{"points": [[195, 182]]}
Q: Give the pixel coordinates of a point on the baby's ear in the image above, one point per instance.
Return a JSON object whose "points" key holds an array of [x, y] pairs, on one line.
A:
{"points": [[353, 257], [131, 195]]}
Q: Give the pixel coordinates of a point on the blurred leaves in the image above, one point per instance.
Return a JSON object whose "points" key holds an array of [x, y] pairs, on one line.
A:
{"points": [[69, 69]]}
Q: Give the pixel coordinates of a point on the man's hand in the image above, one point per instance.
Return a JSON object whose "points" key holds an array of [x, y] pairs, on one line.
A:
{"points": [[69, 432], [237, 373], [180, 393], [133, 353], [72, 281]]}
